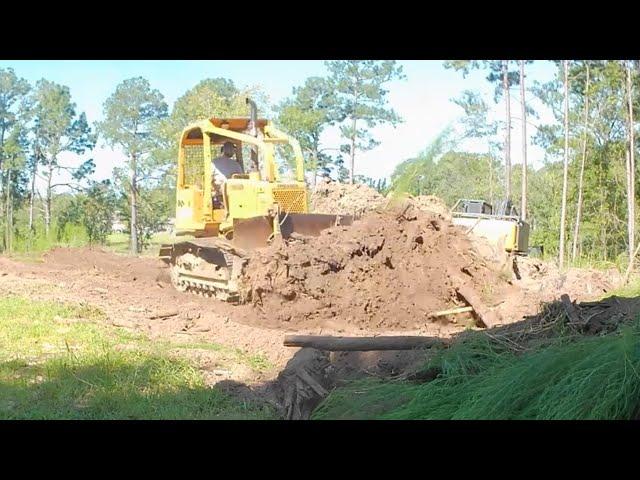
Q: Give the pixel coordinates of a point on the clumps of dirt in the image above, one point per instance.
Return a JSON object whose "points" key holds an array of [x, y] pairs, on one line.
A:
{"points": [[390, 270], [345, 199], [431, 203], [545, 279]]}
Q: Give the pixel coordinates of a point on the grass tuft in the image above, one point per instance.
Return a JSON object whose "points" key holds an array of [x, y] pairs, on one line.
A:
{"points": [[590, 378]]}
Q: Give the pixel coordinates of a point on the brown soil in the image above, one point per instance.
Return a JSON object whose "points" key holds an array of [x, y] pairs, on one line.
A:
{"points": [[390, 270], [344, 199], [383, 275]]}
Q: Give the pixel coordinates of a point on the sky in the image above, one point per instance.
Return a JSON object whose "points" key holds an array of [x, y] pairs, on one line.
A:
{"points": [[423, 99]]}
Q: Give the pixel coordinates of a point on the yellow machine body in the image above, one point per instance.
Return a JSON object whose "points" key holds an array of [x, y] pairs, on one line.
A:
{"points": [[254, 207], [249, 195], [507, 231]]}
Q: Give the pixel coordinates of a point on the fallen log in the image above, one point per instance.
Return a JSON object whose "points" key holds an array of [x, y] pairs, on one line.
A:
{"points": [[360, 344], [486, 316]]}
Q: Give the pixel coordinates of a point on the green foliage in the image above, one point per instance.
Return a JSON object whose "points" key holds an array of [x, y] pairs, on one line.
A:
{"points": [[493, 68], [360, 97], [305, 116], [58, 128], [380, 185], [153, 212], [590, 378], [132, 116], [603, 235], [93, 210], [449, 174]]}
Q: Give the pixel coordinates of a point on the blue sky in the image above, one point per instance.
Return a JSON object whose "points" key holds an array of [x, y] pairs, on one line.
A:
{"points": [[423, 100]]}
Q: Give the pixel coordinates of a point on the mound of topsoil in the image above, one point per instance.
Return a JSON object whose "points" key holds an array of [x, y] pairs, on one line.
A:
{"points": [[431, 203], [389, 270], [344, 199]]}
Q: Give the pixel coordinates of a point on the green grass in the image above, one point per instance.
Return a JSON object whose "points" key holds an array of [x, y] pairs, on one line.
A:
{"points": [[562, 377], [591, 378], [119, 243], [60, 361], [31, 249]]}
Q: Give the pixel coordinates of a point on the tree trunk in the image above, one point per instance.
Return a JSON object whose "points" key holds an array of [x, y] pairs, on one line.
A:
{"points": [[133, 184], [563, 211], [631, 170], [353, 148], [576, 230], [507, 135], [47, 206], [32, 193], [523, 104], [2, 132], [315, 167], [490, 178], [9, 214]]}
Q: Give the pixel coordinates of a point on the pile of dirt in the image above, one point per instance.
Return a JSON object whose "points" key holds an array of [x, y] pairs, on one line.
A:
{"points": [[345, 199], [431, 203], [390, 270], [545, 279]]}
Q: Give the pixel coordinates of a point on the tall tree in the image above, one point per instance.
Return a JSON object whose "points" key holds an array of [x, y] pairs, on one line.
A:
{"points": [[507, 130], [131, 116], [14, 179], [503, 79], [563, 210], [361, 98], [13, 106], [58, 129], [13, 96], [603, 213], [476, 124], [576, 230], [305, 116], [523, 112], [631, 178]]}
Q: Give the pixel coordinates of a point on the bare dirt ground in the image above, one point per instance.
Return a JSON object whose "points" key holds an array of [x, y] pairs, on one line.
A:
{"points": [[383, 276]]}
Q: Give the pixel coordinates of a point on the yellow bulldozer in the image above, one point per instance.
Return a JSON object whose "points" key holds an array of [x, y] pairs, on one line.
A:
{"points": [[501, 226], [248, 211]]}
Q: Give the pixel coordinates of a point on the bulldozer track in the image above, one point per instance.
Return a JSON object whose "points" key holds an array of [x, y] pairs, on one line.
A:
{"points": [[201, 284]]}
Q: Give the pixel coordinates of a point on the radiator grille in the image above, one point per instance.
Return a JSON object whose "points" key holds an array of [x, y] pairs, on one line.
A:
{"points": [[291, 200], [194, 165]]}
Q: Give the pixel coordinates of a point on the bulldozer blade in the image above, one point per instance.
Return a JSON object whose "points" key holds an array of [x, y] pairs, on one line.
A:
{"points": [[256, 232], [310, 224], [250, 233]]}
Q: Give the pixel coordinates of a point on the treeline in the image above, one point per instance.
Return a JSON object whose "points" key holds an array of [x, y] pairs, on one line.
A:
{"points": [[47, 196], [593, 134]]}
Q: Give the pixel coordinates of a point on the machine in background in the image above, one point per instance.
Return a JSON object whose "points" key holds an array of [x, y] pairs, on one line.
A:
{"points": [[501, 226]]}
